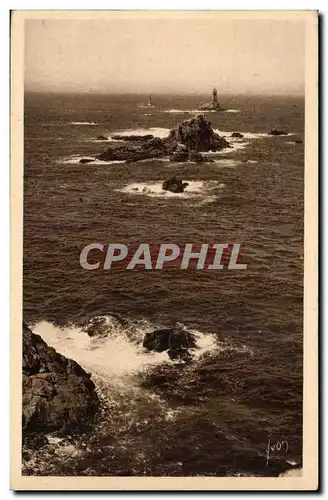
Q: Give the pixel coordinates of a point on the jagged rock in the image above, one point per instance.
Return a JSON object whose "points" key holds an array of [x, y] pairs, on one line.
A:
{"points": [[197, 134], [276, 131], [137, 138], [141, 150], [180, 354], [35, 440], [174, 185], [57, 393], [86, 160], [102, 138], [167, 339], [100, 326], [191, 136], [237, 135]]}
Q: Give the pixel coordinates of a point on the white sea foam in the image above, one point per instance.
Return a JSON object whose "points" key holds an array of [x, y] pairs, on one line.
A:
{"points": [[194, 111], [177, 111], [155, 131], [247, 135], [109, 139], [226, 162], [118, 354], [75, 160], [83, 123], [154, 189]]}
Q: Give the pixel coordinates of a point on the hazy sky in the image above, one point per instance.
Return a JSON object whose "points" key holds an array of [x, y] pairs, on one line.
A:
{"points": [[236, 56]]}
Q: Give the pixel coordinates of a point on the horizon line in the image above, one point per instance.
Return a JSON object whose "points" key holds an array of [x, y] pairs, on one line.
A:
{"points": [[182, 93]]}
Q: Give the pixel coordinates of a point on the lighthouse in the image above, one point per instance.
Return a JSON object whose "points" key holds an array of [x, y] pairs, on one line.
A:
{"points": [[215, 102]]}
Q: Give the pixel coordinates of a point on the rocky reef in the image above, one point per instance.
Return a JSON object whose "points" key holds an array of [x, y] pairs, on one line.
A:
{"points": [[185, 142], [176, 341], [276, 131], [174, 185], [58, 395]]}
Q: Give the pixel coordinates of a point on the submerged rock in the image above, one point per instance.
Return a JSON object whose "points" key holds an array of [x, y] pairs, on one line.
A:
{"points": [[179, 156], [102, 138], [186, 139], [276, 131], [174, 185], [118, 137], [57, 393], [169, 339], [298, 141], [237, 135], [86, 160]]}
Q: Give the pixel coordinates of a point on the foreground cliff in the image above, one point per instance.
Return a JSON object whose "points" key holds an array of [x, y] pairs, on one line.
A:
{"points": [[58, 395]]}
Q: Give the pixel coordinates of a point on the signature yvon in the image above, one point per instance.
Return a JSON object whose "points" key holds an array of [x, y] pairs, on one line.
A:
{"points": [[277, 447]]}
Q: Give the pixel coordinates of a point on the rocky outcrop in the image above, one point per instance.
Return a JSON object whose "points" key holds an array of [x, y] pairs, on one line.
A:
{"points": [[86, 160], [102, 138], [174, 185], [276, 131], [139, 150], [57, 393], [166, 339], [197, 134], [237, 135], [185, 140], [132, 138], [298, 141]]}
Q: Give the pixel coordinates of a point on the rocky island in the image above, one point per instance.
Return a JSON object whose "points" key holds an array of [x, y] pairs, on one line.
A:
{"points": [[185, 142]]}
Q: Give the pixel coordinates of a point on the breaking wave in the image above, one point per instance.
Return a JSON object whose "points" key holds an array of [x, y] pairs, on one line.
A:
{"points": [[83, 123], [154, 189], [75, 160], [114, 351]]}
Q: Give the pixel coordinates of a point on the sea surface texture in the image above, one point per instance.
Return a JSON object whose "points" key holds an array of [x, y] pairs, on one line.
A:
{"points": [[215, 415]]}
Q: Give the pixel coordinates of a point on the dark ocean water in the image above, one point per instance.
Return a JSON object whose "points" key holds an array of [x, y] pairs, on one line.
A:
{"points": [[216, 415]]}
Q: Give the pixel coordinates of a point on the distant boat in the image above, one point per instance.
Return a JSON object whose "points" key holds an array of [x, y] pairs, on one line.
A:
{"points": [[150, 104]]}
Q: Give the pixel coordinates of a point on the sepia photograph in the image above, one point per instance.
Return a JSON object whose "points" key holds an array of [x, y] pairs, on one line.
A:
{"points": [[164, 239]]}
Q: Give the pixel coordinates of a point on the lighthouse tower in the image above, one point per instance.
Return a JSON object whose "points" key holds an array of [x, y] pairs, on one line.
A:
{"points": [[215, 101]]}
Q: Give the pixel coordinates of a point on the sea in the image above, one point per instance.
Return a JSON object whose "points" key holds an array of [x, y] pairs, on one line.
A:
{"points": [[236, 409]]}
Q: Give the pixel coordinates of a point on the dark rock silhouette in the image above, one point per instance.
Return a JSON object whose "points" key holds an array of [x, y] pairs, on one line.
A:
{"points": [[86, 160], [166, 339], [238, 135], [187, 138], [197, 134], [180, 354], [276, 131], [128, 138], [57, 393], [102, 138], [298, 141], [174, 185]]}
